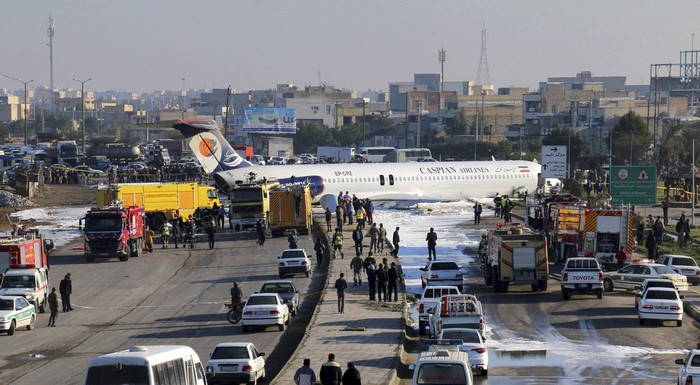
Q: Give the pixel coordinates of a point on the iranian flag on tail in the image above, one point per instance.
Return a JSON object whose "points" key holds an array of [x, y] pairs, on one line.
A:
{"points": [[524, 168]]}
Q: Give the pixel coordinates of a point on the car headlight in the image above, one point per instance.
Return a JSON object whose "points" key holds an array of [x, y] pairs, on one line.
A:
{"points": [[2, 319], [210, 369]]}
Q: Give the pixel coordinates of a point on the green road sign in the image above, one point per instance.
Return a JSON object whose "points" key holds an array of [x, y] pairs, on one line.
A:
{"points": [[634, 185]]}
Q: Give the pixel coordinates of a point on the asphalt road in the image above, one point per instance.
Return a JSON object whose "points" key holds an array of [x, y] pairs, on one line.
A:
{"points": [[167, 297]]}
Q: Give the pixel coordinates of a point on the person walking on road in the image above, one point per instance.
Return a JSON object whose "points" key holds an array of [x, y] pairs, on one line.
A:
{"points": [[356, 266], [371, 270], [351, 375], [293, 239], [664, 208], [338, 243], [339, 215], [431, 237], [382, 277], [328, 220], [396, 239], [373, 236], [497, 205], [393, 279], [651, 246], [148, 239], [330, 373], [477, 213], [66, 289], [260, 230], [320, 250], [210, 235], [176, 232], [340, 286], [621, 257], [381, 238], [358, 237], [305, 375], [53, 307]]}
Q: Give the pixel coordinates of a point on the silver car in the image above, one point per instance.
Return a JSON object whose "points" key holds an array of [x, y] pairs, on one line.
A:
{"points": [[286, 290]]}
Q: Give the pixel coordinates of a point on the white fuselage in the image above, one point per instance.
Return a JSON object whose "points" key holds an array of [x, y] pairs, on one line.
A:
{"points": [[403, 181]]}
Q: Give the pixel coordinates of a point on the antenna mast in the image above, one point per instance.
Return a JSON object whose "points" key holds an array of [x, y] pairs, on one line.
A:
{"points": [[50, 33], [483, 73]]}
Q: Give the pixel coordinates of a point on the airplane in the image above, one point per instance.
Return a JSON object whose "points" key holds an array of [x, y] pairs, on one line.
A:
{"points": [[412, 181]]}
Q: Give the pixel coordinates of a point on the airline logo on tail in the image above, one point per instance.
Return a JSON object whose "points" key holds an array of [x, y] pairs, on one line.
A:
{"points": [[214, 153]]}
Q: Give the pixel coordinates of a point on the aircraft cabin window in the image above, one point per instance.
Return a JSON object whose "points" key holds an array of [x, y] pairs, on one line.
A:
{"points": [[391, 179], [381, 180]]}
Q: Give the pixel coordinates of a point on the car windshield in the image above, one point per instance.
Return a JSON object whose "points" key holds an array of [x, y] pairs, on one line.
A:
{"points": [[664, 283], [229, 352], [444, 266], [6, 304], [18, 282], [293, 254], [103, 223], [262, 300], [277, 288], [661, 294], [663, 270], [684, 262], [464, 335]]}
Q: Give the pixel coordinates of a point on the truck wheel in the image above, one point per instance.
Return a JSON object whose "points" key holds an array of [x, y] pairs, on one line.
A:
{"points": [[124, 258], [487, 277], [89, 258], [11, 330], [679, 323], [504, 286], [565, 293], [494, 281], [641, 321], [608, 284], [535, 287], [542, 284], [237, 227], [600, 296]]}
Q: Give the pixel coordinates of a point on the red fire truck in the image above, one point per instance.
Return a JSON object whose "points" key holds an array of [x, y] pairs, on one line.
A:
{"points": [[27, 274], [113, 232]]}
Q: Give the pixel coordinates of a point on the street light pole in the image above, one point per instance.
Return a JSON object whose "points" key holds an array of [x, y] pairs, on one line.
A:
{"points": [[364, 104], [26, 106], [82, 107]]}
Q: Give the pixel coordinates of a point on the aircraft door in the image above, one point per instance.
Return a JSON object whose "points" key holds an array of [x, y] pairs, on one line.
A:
{"points": [[381, 180]]}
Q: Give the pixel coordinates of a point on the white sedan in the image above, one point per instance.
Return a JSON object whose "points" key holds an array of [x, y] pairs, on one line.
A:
{"points": [[16, 312], [691, 368], [472, 344], [294, 261], [239, 362], [264, 309], [661, 303]]}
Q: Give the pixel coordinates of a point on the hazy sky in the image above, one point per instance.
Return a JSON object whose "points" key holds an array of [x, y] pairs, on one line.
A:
{"points": [[142, 45]]}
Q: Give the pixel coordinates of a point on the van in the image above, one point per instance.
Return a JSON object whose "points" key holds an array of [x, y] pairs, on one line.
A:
{"points": [[443, 365], [32, 284], [147, 365]]}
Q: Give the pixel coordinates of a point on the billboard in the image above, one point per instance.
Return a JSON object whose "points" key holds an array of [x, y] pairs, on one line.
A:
{"points": [[554, 161], [634, 185], [270, 120]]}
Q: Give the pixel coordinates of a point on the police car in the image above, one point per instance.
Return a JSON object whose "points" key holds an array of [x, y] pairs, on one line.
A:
{"points": [[16, 312]]}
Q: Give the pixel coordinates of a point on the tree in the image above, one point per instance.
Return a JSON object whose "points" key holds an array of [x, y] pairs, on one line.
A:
{"points": [[457, 125], [310, 136], [631, 139]]}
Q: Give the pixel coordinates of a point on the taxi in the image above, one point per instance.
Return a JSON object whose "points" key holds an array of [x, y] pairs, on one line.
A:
{"points": [[633, 275], [16, 312]]}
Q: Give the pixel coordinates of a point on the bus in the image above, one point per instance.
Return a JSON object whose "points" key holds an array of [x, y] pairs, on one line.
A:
{"points": [[375, 154], [152, 365], [409, 155]]}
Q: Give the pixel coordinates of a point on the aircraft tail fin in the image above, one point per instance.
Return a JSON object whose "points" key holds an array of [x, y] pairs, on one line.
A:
{"points": [[209, 146]]}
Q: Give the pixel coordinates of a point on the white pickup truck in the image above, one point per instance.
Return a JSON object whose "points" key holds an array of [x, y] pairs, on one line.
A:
{"points": [[431, 296], [581, 275], [456, 311]]}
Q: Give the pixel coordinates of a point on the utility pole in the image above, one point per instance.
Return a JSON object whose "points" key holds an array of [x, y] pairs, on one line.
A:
{"points": [[182, 98], [50, 33], [26, 106], [82, 109], [228, 104], [441, 57]]}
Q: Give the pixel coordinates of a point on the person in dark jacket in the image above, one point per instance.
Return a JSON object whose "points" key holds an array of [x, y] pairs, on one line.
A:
{"points": [[651, 246], [66, 289], [53, 307], [320, 249], [358, 237], [330, 373], [340, 286], [382, 277], [396, 239], [393, 279], [431, 238], [352, 375], [210, 235], [328, 220]]}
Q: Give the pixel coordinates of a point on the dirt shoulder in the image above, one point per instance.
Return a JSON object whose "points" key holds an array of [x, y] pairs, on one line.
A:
{"points": [[54, 195]]}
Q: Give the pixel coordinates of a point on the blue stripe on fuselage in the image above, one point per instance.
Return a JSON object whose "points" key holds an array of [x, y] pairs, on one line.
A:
{"points": [[315, 183]]}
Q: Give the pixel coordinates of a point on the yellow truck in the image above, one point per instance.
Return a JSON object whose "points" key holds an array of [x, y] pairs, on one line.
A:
{"points": [[290, 209], [249, 203], [160, 200]]}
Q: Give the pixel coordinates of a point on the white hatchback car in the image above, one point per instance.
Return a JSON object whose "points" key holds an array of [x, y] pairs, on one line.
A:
{"points": [[264, 309], [661, 303], [472, 344], [682, 264], [294, 261], [239, 362]]}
